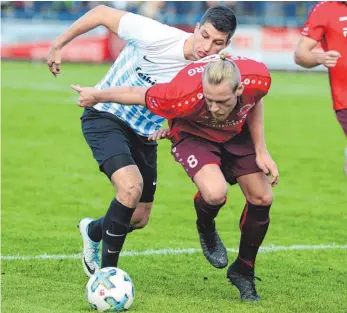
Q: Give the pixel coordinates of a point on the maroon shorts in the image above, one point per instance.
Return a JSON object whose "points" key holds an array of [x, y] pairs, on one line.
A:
{"points": [[194, 152], [342, 118]]}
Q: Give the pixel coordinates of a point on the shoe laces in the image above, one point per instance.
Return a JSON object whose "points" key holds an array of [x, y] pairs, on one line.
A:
{"points": [[252, 278], [93, 252]]}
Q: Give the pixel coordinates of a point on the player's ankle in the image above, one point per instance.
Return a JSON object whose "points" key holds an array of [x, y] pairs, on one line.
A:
{"points": [[243, 267]]}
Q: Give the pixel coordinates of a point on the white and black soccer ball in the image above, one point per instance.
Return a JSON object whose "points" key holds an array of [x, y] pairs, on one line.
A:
{"points": [[110, 289]]}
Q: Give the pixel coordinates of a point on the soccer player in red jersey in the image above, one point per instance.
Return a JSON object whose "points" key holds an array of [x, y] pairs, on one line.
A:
{"points": [[327, 24], [207, 105]]}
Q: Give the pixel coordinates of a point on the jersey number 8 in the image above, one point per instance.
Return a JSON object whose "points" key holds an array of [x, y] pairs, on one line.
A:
{"points": [[192, 161]]}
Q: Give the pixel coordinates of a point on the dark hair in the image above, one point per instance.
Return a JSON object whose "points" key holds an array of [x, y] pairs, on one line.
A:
{"points": [[222, 18]]}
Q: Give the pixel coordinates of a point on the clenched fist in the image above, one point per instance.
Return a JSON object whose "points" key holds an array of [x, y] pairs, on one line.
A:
{"points": [[329, 58], [54, 60]]}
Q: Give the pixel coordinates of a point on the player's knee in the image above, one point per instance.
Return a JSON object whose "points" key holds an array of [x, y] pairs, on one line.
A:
{"points": [[263, 199], [215, 197], [134, 191], [130, 192]]}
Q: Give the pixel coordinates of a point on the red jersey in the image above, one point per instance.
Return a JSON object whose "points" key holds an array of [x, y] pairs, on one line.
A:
{"points": [[327, 23], [183, 103]]}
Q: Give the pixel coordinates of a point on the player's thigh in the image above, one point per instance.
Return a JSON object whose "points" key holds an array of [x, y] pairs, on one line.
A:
{"points": [[342, 118], [111, 147], [106, 137], [253, 182], [211, 183], [201, 161], [234, 166], [256, 188]]}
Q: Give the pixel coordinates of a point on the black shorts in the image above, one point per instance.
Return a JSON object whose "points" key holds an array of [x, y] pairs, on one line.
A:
{"points": [[108, 136]]}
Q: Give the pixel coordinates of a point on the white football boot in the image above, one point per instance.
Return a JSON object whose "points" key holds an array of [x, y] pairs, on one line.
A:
{"points": [[90, 255]]}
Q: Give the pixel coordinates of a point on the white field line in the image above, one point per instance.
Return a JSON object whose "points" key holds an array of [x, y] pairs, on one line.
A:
{"points": [[169, 251]]}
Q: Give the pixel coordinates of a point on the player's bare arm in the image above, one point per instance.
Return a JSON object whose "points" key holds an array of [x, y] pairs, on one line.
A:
{"points": [[127, 95], [305, 57], [98, 16], [255, 120]]}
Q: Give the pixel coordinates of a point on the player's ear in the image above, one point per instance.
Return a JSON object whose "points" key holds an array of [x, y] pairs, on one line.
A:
{"points": [[197, 26], [240, 88]]}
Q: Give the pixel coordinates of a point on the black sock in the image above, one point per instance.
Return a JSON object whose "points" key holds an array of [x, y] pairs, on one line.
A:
{"points": [[114, 231], [131, 228], [205, 212], [254, 223], [95, 229]]}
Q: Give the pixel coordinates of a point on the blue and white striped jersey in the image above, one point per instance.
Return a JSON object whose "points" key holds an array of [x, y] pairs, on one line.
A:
{"points": [[154, 54]]}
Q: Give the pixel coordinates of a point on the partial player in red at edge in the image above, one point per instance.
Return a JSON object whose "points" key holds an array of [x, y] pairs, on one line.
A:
{"points": [[327, 24]]}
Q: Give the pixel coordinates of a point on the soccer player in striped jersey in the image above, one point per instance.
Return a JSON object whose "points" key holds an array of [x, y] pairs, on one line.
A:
{"points": [[117, 134]]}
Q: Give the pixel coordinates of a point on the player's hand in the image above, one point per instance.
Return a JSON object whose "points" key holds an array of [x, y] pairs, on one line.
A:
{"points": [[87, 95], [54, 60], [160, 134], [268, 166], [329, 58]]}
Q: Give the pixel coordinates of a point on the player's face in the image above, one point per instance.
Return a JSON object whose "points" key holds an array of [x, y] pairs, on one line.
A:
{"points": [[208, 41], [220, 99]]}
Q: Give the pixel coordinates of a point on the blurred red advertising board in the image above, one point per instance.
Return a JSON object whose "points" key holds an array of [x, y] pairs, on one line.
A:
{"points": [[87, 49], [280, 39]]}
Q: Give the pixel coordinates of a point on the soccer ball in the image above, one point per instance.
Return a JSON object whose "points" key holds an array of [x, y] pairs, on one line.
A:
{"points": [[110, 290]]}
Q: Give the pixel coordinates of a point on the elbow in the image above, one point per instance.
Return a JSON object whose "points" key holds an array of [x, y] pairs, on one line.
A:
{"points": [[101, 8], [102, 12], [108, 17], [301, 59], [297, 58], [98, 13]]}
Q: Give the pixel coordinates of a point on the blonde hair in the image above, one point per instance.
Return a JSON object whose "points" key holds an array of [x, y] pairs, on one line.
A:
{"points": [[220, 70]]}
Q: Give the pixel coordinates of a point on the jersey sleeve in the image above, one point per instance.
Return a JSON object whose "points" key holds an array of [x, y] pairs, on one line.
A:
{"points": [[143, 31], [178, 98], [258, 81], [316, 23]]}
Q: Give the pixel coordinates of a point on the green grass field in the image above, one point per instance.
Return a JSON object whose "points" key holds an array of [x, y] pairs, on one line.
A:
{"points": [[50, 181]]}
